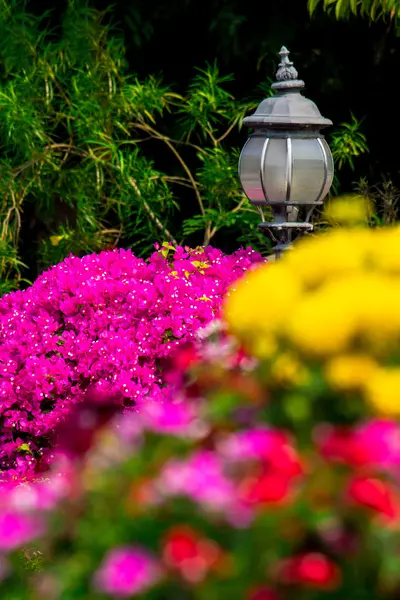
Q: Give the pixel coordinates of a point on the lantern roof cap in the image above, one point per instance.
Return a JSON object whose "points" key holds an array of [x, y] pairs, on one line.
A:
{"points": [[288, 108]]}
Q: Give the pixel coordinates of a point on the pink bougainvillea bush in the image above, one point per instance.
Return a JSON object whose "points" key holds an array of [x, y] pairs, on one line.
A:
{"points": [[105, 321]]}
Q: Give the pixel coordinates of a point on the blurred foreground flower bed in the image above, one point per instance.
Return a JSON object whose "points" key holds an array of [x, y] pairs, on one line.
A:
{"points": [[272, 469]]}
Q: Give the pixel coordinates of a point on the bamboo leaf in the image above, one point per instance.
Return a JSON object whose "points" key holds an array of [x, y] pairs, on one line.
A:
{"points": [[312, 5]]}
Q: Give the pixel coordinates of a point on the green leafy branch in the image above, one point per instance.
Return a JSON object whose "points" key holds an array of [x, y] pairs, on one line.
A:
{"points": [[372, 9]]}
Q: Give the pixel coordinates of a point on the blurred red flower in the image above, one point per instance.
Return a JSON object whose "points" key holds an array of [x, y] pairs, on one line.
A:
{"points": [[284, 459], [265, 489], [75, 435], [191, 554], [176, 366], [313, 570], [262, 593], [342, 445], [374, 494]]}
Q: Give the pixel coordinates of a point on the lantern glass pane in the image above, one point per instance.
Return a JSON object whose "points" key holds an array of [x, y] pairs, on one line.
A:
{"points": [[249, 168], [309, 171], [330, 169], [275, 170]]}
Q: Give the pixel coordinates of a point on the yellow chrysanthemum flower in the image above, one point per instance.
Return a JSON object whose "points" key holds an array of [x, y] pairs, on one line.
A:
{"points": [[260, 302], [379, 308], [382, 390], [327, 294], [386, 253], [337, 253], [350, 371], [323, 322], [362, 306]]}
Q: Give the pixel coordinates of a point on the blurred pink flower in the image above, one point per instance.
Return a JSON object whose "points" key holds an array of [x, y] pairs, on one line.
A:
{"points": [[201, 477], [38, 496], [127, 571], [267, 445], [382, 437], [129, 428], [252, 444], [168, 417], [17, 528]]}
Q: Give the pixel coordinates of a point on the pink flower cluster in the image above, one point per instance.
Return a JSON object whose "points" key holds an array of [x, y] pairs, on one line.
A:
{"points": [[127, 571], [214, 480], [242, 474], [105, 321]]}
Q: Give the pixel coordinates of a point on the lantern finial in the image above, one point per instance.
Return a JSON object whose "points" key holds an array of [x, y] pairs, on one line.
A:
{"points": [[286, 70], [286, 75]]}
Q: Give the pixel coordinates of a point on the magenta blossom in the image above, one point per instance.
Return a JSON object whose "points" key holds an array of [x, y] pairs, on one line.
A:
{"points": [[107, 322], [127, 571]]}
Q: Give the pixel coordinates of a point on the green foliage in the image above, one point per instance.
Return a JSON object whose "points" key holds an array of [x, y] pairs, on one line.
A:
{"points": [[76, 131], [93, 156], [372, 9], [347, 143], [10, 266]]}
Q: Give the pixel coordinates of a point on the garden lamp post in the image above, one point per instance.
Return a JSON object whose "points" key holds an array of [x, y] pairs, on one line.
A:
{"points": [[286, 163]]}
